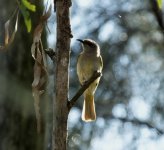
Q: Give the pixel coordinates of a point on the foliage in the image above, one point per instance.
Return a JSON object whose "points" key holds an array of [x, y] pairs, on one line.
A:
{"points": [[25, 7], [18, 122], [159, 3]]}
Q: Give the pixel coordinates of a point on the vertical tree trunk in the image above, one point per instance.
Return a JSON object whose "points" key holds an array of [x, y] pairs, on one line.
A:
{"points": [[60, 112]]}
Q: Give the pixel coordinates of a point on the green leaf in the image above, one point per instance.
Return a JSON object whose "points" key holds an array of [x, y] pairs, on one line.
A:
{"points": [[26, 16], [28, 5], [28, 24], [159, 3]]}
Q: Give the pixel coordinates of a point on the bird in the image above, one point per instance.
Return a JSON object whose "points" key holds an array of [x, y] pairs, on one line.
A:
{"points": [[89, 61]]}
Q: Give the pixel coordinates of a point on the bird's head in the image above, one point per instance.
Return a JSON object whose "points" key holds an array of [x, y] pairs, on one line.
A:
{"points": [[89, 45]]}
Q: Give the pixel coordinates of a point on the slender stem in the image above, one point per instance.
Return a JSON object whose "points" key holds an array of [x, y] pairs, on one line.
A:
{"points": [[138, 122], [72, 102], [51, 54]]}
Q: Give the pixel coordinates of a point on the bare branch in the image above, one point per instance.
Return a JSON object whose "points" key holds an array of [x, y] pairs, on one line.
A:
{"points": [[50, 53], [72, 102], [138, 122]]}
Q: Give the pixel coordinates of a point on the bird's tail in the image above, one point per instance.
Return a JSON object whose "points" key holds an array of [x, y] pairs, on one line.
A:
{"points": [[88, 113]]}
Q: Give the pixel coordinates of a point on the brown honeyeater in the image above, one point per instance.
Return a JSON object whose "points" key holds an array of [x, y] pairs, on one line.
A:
{"points": [[88, 62]]}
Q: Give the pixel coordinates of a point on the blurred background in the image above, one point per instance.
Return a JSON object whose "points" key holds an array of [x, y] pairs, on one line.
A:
{"points": [[129, 100]]}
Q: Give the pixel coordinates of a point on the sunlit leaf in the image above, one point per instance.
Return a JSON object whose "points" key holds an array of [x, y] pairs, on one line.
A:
{"points": [[159, 3], [28, 24], [29, 6], [26, 16]]}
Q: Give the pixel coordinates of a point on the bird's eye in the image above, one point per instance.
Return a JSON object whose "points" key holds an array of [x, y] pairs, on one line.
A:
{"points": [[89, 44]]}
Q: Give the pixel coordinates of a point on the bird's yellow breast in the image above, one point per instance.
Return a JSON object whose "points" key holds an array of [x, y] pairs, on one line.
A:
{"points": [[86, 66]]}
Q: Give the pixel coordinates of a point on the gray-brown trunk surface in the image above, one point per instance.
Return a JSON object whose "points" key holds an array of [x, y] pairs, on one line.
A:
{"points": [[60, 112]]}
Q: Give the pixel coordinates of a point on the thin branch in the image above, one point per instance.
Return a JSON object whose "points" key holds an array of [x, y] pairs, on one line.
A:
{"points": [[72, 102], [138, 122], [50, 53]]}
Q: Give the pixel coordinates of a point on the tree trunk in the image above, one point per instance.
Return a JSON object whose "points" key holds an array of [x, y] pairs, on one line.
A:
{"points": [[60, 109]]}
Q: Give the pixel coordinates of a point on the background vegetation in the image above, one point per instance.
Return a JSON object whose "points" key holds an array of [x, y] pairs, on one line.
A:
{"points": [[129, 99]]}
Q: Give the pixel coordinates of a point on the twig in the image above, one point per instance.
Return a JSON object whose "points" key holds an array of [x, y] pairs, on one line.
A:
{"points": [[82, 89], [55, 5], [138, 122], [50, 53]]}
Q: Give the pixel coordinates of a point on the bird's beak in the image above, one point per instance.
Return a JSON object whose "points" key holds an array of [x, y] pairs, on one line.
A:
{"points": [[80, 40]]}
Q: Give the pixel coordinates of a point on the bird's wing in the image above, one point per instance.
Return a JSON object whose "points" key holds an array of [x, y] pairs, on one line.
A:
{"points": [[78, 57]]}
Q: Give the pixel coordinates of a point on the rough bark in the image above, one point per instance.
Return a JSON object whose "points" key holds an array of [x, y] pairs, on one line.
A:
{"points": [[60, 109]]}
